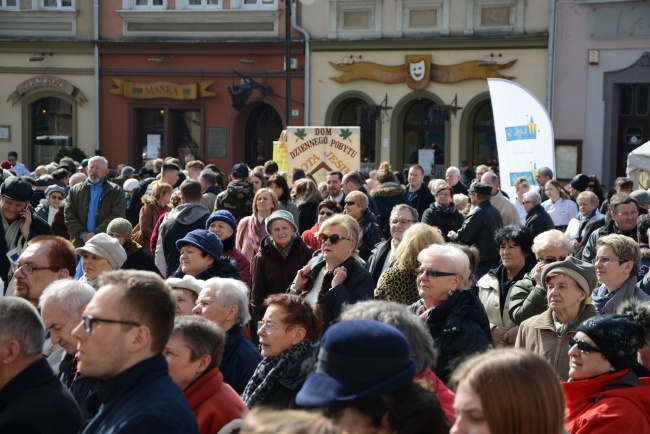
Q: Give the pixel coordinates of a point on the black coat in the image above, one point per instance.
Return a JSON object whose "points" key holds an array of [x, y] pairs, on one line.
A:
{"points": [[444, 221], [141, 400], [36, 402], [478, 230], [358, 286], [538, 220], [387, 196], [459, 327], [139, 259], [222, 267], [133, 209], [370, 234], [272, 274], [375, 263], [240, 359], [422, 200], [307, 215], [79, 385], [38, 227]]}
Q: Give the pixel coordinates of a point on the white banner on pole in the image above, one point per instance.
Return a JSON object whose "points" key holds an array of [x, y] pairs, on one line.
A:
{"points": [[524, 133]]}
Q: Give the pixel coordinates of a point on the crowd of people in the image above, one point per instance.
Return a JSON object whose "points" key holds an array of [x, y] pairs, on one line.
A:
{"points": [[179, 299]]}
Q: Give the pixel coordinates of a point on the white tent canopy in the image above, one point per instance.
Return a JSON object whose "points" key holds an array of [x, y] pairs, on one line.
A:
{"points": [[638, 166]]}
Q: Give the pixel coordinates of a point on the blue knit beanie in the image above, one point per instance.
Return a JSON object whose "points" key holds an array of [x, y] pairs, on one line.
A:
{"points": [[222, 216], [203, 240]]}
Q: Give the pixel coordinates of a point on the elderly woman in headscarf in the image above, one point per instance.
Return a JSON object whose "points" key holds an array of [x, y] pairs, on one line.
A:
{"points": [[604, 395], [568, 284], [54, 196], [100, 253], [136, 257]]}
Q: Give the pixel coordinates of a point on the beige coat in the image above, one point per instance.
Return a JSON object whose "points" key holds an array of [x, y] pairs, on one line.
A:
{"points": [[538, 335], [507, 209], [488, 292]]}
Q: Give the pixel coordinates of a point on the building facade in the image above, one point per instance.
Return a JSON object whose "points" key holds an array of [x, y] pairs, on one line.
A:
{"points": [[412, 73]]}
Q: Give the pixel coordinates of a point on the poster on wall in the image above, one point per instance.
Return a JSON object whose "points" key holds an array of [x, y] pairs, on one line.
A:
{"points": [[153, 146], [319, 150], [426, 159], [524, 133]]}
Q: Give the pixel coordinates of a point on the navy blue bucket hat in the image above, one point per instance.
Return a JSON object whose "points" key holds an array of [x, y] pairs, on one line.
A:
{"points": [[203, 240], [358, 360]]}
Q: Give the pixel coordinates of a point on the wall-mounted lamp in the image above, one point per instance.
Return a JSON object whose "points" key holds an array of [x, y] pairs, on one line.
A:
{"points": [[490, 59], [241, 92], [160, 58], [39, 57], [349, 60]]}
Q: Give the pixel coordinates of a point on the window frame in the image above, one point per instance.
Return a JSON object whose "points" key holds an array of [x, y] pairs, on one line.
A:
{"points": [[259, 5], [338, 9], [58, 7], [406, 7], [148, 6], [4, 7]]}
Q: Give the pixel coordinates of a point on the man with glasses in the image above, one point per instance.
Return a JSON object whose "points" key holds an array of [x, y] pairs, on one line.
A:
{"points": [[624, 212], [617, 260], [32, 399], [121, 337], [402, 217], [225, 302], [19, 224], [537, 219]]}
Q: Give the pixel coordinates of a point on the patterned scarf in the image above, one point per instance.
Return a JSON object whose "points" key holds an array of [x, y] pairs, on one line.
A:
{"points": [[269, 371], [600, 297], [284, 251], [445, 209], [256, 232]]}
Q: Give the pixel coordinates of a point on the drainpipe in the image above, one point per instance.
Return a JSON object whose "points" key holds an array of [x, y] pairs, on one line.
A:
{"points": [[550, 56], [96, 73], [305, 33]]}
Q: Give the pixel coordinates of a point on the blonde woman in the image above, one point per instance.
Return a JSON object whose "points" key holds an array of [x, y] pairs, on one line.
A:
{"points": [[252, 229], [398, 282]]}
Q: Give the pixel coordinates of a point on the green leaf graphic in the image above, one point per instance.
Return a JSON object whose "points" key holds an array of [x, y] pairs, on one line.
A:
{"points": [[300, 134], [345, 134]]}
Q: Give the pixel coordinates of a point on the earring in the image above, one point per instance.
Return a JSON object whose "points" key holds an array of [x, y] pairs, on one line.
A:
{"points": [[450, 292]]}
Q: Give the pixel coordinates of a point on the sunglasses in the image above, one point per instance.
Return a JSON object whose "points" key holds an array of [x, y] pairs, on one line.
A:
{"points": [[334, 238], [591, 185], [550, 259], [349, 202], [583, 346], [327, 213], [432, 273]]}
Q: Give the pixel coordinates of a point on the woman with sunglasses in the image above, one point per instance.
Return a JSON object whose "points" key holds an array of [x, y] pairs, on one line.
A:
{"points": [[517, 259], [568, 284], [335, 277], [528, 296], [356, 205], [54, 197], [326, 209], [603, 394], [455, 316], [287, 335]]}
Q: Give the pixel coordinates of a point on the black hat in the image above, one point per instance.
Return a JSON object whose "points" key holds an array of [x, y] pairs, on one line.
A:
{"points": [[84, 162], [481, 188], [617, 336], [240, 170], [18, 189], [580, 183], [145, 172], [215, 169], [464, 163]]}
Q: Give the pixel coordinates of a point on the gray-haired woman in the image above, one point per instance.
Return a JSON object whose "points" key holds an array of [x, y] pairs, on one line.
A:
{"points": [[456, 317]]}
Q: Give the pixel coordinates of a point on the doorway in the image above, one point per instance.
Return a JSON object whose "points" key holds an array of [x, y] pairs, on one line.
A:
{"points": [[263, 127]]}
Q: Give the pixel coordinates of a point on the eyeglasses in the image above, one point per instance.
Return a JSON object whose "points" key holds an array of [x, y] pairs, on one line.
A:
{"points": [[349, 202], [401, 222], [605, 260], [551, 259], [527, 201], [89, 320], [327, 213], [270, 328], [432, 273], [583, 346], [56, 197], [627, 214], [334, 238], [28, 269], [590, 186], [443, 194]]}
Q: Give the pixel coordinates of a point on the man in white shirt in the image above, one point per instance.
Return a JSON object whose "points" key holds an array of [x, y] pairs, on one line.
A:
{"points": [[17, 166]]}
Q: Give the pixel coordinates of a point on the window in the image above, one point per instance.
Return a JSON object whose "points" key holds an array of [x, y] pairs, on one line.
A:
{"points": [[495, 16], [9, 4], [57, 4], [355, 19], [484, 139], [150, 4], [199, 4], [52, 127], [424, 128], [357, 112], [259, 4], [422, 17]]}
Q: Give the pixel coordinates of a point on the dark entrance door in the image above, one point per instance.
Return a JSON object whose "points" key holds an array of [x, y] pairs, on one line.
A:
{"points": [[633, 121], [263, 126]]}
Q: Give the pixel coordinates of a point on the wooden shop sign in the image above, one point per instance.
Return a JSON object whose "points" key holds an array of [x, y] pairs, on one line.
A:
{"points": [[162, 89]]}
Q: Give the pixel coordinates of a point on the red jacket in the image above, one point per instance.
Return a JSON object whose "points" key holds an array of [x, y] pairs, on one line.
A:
{"points": [[214, 402], [611, 403], [243, 264], [309, 237], [446, 397]]}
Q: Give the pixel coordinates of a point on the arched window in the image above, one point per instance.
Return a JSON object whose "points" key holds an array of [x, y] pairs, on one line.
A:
{"points": [[357, 112], [484, 138], [424, 128], [52, 127]]}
